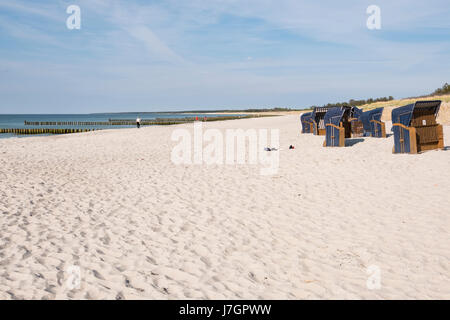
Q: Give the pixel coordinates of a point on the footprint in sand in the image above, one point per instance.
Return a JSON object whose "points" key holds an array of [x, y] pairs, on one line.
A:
{"points": [[120, 296], [98, 275]]}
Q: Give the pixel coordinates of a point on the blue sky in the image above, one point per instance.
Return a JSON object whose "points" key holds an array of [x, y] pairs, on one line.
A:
{"points": [[137, 55]]}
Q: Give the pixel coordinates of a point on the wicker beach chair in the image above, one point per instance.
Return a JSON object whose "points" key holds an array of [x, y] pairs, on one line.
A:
{"points": [[337, 126], [357, 127], [307, 124], [415, 127], [373, 126], [317, 117]]}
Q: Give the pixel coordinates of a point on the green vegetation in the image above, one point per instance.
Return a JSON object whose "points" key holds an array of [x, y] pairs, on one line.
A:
{"points": [[442, 94], [441, 91], [369, 104], [231, 110], [353, 102], [366, 104]]}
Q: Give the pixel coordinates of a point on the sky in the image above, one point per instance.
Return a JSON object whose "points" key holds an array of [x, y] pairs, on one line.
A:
{"points": [[172, 55]]}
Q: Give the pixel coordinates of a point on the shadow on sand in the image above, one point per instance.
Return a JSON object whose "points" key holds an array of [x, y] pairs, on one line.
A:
{"points": [[352, 142]]}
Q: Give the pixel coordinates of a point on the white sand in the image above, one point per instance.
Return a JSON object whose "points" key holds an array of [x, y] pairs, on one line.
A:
{"points": [[112, 203]]}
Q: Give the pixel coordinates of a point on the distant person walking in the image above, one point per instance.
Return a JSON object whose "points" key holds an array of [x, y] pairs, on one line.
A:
{"points": [[138, 122]]}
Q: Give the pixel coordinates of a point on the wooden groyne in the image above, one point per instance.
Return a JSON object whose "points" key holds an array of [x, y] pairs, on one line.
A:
{"points": [[132, 122], [169, 121], [111, 122], [96, 123], [114, 122], [66, 123], [43, 131]]}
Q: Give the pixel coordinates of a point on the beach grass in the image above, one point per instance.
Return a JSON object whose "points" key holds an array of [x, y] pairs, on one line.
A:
{"points": [[403, 102], [444, 112]]}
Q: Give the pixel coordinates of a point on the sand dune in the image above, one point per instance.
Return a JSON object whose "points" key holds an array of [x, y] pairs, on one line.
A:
{"points": [[443, 116], [140, 227]]}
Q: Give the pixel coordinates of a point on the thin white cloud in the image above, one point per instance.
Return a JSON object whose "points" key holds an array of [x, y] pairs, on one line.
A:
{"points": [[153, 43], [42, 10], [28, 33], [134, 20]]}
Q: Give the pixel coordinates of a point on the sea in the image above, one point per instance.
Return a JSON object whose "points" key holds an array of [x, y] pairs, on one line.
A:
{"points": [[17, 121]]}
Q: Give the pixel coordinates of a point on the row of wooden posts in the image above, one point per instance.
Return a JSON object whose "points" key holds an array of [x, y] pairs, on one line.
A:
{"points": [[43, 131], [131, 122], [110, 122], [65, 123], [93, 123]]}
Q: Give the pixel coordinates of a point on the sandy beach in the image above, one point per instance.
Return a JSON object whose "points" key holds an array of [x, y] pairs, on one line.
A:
{"points": [[138, 226]]}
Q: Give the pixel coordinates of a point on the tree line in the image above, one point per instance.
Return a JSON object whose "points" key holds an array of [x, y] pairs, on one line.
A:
{"points": [[441, 91], [353, 102]]}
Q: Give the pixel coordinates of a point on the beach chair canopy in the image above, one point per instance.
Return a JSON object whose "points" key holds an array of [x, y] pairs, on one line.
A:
{"points": [[306, 117], [403, 115], [367, 116], [319, 113], [306, 121], [334, 115], [356, 113], [317, 118]]}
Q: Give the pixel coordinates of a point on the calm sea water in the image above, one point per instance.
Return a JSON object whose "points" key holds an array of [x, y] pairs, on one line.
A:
{"points": [[17, 121]]}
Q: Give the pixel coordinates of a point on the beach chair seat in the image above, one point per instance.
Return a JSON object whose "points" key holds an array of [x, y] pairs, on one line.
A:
{"points": [[378, 129], [357, 127]]}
